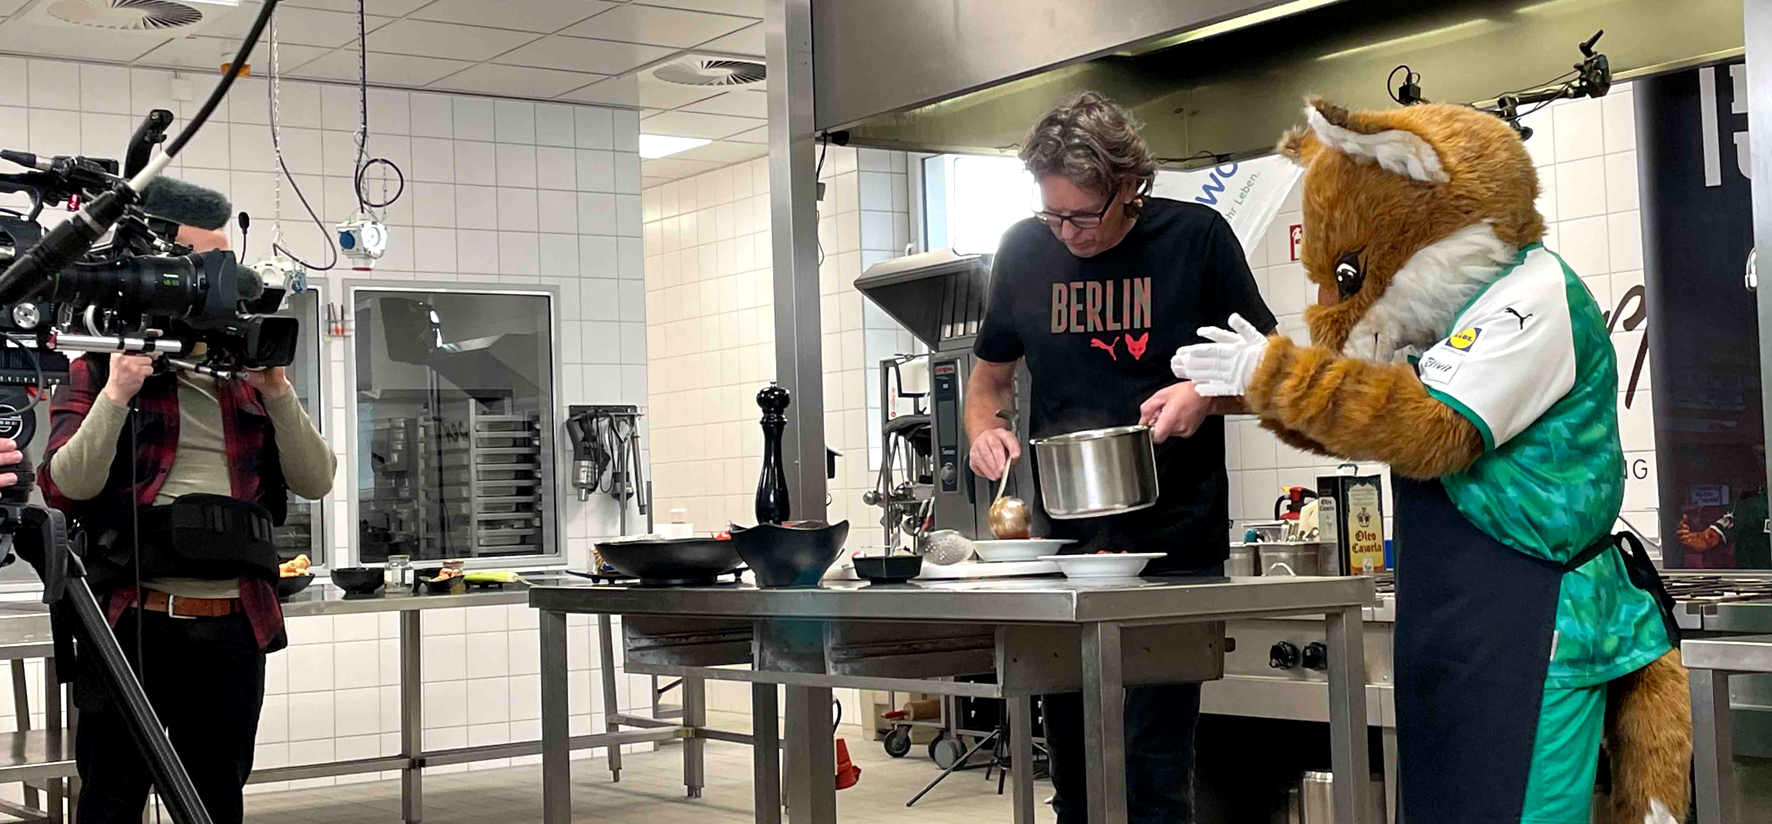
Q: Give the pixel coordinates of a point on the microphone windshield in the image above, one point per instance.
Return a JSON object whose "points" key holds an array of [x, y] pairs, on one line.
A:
{"points": [[186, 203]]}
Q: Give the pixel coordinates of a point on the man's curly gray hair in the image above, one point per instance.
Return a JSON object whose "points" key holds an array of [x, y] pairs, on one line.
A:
{"points": [[1093, 142]]}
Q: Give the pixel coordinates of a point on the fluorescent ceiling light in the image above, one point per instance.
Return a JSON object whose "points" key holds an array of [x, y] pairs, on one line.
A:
{"points": [[1215, 29], [1420, 40], [660, 145]]}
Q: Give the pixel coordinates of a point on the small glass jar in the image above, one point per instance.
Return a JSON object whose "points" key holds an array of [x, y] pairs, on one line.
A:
{"points": [[399, 571]]}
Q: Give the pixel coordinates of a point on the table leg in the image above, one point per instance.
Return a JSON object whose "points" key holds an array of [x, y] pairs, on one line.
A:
{"points": [[1021, 755], [556, 722], [1713, 740], [611, 698], [1104, 724], [695, 716], [52, 724], [412, 717], [1391, 814], [21, 710], [1347, 715], [812, 762], [766, 754]]}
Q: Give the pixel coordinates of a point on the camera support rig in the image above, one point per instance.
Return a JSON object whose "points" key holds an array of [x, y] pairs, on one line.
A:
{"points": [[39, 535]]}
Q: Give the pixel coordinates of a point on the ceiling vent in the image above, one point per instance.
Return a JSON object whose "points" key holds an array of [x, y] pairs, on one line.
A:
{"points": [[708, 71], [162, 17]]}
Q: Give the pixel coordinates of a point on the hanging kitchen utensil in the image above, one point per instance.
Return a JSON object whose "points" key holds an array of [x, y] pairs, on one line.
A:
{"points": [[1009, 516]]}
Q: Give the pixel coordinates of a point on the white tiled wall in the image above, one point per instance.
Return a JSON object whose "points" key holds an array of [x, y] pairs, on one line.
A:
{"points": [[1587, 165], [499, 192], [711, 333], [711, 339]]}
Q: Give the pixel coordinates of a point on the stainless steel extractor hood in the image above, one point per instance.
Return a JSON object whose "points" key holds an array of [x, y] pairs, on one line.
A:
{"points": [[1232, 93]]}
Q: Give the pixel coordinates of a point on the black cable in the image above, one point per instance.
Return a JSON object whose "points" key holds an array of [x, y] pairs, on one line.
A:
{"points": [[824, 144], [227, 81], [277, 149], [1388, 88], [36, 366]]}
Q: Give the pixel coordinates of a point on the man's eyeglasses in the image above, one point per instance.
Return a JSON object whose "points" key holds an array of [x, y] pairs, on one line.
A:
{"points": [[1085, 220]]}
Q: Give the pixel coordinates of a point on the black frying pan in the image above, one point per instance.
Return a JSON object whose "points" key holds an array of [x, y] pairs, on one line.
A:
{"points": [[671, 561]]}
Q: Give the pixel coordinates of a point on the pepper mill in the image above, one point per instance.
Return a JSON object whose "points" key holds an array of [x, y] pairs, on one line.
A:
{"points": [[772, 486]]}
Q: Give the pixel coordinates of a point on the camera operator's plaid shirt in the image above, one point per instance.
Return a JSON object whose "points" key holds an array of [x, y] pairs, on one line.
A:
{"points": [[246, 429]]}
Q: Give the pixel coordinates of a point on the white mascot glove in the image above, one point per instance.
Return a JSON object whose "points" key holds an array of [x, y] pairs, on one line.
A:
{"points": [[1225, 366]]}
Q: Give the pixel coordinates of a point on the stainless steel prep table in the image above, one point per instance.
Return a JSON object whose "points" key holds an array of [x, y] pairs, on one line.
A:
{"points": [[24, 632], [1037, 635], [1710, 662]]}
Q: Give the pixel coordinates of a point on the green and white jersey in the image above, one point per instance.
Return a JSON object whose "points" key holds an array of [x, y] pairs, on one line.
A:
{"points": [[1529, 363]]}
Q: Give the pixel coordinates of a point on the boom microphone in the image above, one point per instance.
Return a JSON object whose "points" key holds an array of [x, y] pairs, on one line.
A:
{"points": [[186, 203]]}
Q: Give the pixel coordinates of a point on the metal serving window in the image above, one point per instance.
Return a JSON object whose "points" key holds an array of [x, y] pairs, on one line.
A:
{"points": [[453, 408]]}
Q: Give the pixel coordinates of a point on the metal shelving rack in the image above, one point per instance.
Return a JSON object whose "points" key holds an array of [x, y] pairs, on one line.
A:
{"points": [[493, 484]]}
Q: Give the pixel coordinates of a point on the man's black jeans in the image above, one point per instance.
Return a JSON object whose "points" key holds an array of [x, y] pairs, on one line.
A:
{"points": [[205, 678], [1160, 723]]}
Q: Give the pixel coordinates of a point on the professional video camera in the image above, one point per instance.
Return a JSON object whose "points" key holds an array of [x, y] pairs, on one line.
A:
{"points": [[142, 291]]}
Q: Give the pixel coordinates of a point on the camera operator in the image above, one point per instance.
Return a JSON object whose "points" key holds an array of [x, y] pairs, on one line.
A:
{"points": [[125, 444]]}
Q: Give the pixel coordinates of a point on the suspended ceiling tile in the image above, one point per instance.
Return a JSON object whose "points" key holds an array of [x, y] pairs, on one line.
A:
{"points": [[20, 37], [658, 26], [388, 8], [530, 15], [662, 94], [742, 103], [744, 41], [723, 152], [581, 55], [423, 38], [384, 69], [757, 135], [516, 81], [649, 182], [616, 91], [690, 124], [297, 25], [211, 52], [673, 168], [743, 8]]}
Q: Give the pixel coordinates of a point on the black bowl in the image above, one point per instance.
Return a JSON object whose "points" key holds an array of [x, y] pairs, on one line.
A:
{"points": [[288, 585], [890, 569], [436, 587], [790, 556], [671, 561], [357, 580]]}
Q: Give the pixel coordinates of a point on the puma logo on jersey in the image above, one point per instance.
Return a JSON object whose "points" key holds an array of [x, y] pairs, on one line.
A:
{"points": [[1095, 343], [1510, 310]]}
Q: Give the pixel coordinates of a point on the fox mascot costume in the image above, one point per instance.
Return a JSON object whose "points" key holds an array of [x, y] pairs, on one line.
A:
{"points": [[1450, 344]]}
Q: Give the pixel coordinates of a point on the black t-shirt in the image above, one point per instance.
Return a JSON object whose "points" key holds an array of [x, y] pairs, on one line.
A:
{"points": [[1098, 334]]}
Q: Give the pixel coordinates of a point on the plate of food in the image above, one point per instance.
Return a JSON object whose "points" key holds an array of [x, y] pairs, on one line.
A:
{"points": [[1103, 564], [1022, 549], [293, 576]]}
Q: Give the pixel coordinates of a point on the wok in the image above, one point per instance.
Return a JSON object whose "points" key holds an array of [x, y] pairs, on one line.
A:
{"points": [[671, 561]]}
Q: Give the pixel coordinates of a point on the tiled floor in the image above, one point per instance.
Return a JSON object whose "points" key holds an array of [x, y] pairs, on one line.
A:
{"points": [[651, 791]]}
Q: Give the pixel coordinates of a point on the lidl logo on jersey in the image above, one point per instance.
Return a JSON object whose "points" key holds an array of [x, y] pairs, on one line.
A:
{"points": [[1464, 339]]}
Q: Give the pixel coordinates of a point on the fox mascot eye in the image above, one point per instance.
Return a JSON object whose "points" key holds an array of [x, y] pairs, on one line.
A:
{"points": [[1349, 274]]}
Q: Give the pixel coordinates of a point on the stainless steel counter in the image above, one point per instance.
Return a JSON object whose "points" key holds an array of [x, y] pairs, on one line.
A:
{"points": [[1036, 635], [25, 633]]}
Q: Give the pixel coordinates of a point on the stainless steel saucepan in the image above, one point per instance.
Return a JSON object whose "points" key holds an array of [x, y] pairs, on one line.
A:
{"points": [[1097, 471]]}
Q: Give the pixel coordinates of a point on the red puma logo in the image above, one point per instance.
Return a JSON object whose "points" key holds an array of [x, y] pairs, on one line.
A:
{"points": [[1095, 343], [1135, 346]]}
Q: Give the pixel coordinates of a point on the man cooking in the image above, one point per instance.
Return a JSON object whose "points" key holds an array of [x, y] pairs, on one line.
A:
{"points": [[1091, 291]]}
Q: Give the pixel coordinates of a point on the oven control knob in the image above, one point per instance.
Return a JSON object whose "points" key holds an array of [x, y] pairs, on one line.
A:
{"points": [[1316, 656], [1283, 655], [948, 473]]}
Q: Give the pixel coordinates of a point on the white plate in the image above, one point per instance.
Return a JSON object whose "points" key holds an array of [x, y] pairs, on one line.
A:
{"points": [[1111, 565], [1026, 549]]}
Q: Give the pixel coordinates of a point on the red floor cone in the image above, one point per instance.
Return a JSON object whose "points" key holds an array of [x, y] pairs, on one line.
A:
{"points": [[847, 772]]}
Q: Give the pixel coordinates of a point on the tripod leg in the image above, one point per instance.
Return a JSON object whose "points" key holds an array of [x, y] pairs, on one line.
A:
{"points": [[170, 779], [958, 763]]}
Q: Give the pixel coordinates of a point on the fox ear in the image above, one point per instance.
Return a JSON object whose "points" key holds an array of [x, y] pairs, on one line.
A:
{"points": [[1398, 151], [1297, 145]]}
